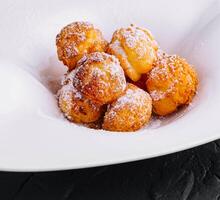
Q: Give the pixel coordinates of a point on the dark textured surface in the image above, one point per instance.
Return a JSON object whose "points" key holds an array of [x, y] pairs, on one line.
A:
{"points": [[189, 175]]}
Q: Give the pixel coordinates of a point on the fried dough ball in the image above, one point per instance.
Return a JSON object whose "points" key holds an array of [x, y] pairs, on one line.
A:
{"points": [[76, 107], [77, 39], [129, 112], [136, 50], [171, 83], [100, 77]]}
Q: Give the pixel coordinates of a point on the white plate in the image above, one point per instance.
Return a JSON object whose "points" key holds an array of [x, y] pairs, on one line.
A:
{"points": [[34, 136]]}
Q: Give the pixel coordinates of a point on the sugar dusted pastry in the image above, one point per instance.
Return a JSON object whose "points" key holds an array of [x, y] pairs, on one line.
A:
{"points": [[76, 107], [171, 83], [100, 77], [129, 112], [95, 92], [77, 39], [135, 48]]}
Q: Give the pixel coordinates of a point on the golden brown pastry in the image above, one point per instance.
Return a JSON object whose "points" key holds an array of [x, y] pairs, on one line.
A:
{"points": [[77, 39], [129, 112], [100, 77], [76, 107], [136, 50], [171, 83]]}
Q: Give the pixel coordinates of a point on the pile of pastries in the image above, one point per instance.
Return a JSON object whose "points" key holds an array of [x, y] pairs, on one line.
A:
{"points": [[120, 84]]}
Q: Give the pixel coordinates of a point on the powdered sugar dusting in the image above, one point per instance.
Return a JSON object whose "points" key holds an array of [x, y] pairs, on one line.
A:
{"points": [[157, 95], [164, 71], [116, 46], [129, 112], [139, 40], [107, 73], [70, 101], [129, 98], [133, 36], [68, 93], [155, 123], [70, 37], [134, 98], [71, 50], [75, 29]]}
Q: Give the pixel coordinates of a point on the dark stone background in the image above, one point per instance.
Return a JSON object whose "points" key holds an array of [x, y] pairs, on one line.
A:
{"points": [[189, 175]]}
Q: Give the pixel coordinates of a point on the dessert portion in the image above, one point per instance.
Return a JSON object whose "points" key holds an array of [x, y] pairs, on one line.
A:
{"points": [[100, 77], [171, 83], [129, 112], [76, 107], [119, 86], [135, 48], [76, 40]]}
